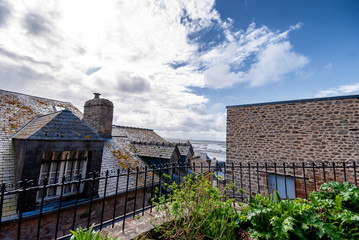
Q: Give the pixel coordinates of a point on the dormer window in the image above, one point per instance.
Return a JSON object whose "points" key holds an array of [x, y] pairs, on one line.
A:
{"points": [[55, 165]]}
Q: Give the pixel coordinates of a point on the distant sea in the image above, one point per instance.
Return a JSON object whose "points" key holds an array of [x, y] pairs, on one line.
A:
{"points": [[214, 149]]}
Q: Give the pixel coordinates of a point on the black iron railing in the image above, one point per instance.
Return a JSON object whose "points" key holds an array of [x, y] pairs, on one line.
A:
{"points": [[113, 196]]}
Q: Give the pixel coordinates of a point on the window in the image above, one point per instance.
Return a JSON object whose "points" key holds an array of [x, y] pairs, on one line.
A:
{"points": [[281, 186], [55, 165]]}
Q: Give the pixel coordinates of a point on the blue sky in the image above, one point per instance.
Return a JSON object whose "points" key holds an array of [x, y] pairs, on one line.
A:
{"points": [[173, 65], [328, 37]]}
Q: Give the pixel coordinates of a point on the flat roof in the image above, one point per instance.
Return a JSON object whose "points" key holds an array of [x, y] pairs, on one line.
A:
{"points": [[296, 101]]}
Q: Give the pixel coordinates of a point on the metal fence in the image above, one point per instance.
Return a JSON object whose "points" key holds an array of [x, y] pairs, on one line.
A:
{"points": [[53, 217]]}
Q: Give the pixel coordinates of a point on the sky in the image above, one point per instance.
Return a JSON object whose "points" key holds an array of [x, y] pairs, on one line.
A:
{"points": [[174, 65]]}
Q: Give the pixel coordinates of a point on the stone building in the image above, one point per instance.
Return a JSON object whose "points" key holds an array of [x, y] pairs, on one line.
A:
{"points": [[318, 131], [42, 138]]}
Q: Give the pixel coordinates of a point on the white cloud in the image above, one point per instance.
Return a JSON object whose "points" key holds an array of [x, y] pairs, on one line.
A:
{"points": [[268, 54], [128, 50], [340, 90], [274, 62]]}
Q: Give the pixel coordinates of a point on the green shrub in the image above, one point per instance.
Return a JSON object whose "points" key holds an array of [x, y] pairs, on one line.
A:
{"points": [[196, 210], [331, 213], [90, 234]]}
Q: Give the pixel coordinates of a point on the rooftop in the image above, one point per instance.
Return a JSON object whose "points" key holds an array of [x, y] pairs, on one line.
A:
{"points": [[297, 101]]}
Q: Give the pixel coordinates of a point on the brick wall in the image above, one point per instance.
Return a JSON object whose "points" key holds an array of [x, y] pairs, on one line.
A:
{"points": [[313, 130], [48, 222]]}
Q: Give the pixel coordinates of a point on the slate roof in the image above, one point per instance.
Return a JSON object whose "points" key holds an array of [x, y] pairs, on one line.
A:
{"points": [[198, 162], [154, 149], [61, 125], [184, 148], [18, 109], [136, 134]]}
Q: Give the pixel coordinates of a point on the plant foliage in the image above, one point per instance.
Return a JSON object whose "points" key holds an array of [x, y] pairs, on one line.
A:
{"points": [[88, 234], [331, 213], [196, 210]]}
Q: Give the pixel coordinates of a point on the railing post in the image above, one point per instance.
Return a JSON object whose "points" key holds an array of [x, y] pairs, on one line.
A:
{"points": [[233, 180], [135, 200], [124, 210], [77, 200], [91, 199], [115, 201], [275, 176], [3, 189], [295, 179], [21, 209], [250, 182], [314, 180], [104, 199], [259, 191], [355, 174], [144, 190], [41, 207], [217, 165], [241, 172], [59, 207], [152, 187], [323, 166], [345, 173], [335, 177], [267, 177], [305, 183], [285, 180]]}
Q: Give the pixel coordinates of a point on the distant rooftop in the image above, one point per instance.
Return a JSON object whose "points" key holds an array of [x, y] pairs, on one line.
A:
{"points": [[297, 101]]}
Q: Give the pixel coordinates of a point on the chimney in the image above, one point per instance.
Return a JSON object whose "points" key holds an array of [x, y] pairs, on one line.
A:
{"points": [[98, 113]]}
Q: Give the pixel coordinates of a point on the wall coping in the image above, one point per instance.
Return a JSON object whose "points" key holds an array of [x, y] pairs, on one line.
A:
{"points": [[296, 101]]}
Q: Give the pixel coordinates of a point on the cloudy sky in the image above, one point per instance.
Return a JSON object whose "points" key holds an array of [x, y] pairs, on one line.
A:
{"points": [[173, 65]]}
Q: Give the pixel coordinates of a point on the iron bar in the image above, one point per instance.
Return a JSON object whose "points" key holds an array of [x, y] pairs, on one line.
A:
{"points": [[104, 199], [144, 191], [41, 208], [135, 200], [126, 195], [355, 174], [259, 191], [250, 182], [21, 208], [152, 187], [345, 173], [285, 181], [335, 177], [275, 176], [76, 201], [92, 193], [314, 178], [233, 181], [294, 179], [59, 207], [115, 201], [305, 184], [267, 177], [241, 172]]}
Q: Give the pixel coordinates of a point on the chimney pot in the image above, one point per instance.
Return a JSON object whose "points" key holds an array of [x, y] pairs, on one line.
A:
{"points": [[97, 95]]}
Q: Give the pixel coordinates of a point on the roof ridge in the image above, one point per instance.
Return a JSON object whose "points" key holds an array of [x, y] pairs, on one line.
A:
{"points": [[296, 101], [167, 144], [35, 96], [119, 126]]}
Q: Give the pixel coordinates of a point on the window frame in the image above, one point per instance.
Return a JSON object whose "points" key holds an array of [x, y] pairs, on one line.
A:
{"points": [[60, 161], [290, 183]]}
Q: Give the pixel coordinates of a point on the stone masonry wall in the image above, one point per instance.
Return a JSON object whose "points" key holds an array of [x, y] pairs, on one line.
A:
{"points": [[320, 131]]}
